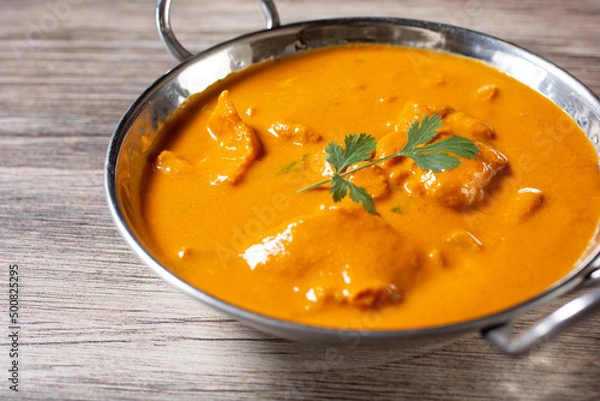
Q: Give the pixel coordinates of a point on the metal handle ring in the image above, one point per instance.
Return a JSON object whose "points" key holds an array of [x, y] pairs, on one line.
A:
{"points": [[562, 318], [163, 23]]}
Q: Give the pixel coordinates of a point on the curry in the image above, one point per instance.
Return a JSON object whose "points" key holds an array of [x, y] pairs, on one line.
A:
{"points": [[222, 209]]}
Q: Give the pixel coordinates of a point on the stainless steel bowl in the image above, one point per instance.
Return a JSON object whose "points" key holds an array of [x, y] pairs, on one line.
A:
{"points": [[139, 125]]}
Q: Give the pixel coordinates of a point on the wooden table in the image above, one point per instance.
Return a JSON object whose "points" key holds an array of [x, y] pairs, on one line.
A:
{"points": [[96, 324]]}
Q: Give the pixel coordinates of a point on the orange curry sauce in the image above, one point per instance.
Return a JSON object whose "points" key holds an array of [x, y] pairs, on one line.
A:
{"points": [[221, 206]]}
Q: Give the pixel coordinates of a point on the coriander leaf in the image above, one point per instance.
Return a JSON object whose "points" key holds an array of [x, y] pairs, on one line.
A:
{"points": [[358, 148], [340, 187], [360, 195], [456, 144], [335, 155], [435, 161], [435, 156], [424, 132]]}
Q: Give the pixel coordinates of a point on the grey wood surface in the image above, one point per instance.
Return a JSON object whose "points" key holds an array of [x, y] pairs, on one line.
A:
{"points": [[96, 324]]}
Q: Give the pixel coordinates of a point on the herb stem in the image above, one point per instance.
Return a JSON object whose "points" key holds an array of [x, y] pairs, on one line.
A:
{"points": [[315, 185], [369, 164]]}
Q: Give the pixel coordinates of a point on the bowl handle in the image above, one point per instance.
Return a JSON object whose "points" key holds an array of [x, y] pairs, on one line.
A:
{"points": [[163, 23], [570, 313]]}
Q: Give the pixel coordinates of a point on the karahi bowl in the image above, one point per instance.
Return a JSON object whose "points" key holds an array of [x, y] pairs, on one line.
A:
{"points": [[140, 125]]}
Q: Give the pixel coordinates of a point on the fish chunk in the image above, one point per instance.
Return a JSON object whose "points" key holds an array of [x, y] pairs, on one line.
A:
{"points": [[372, 179], [466, 186], [328, 258], [299, 134], [168, 162], [237, 145], [525, 204]]}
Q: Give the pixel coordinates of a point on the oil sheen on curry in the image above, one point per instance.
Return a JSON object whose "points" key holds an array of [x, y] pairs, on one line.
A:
{"points": [[221, 206]]}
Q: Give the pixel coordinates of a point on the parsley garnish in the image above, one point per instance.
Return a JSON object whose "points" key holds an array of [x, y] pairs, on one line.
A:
{"points": [[358, 149], [435, 156]]}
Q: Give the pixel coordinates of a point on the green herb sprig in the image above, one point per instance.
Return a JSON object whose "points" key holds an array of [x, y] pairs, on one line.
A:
{"points": [[435, 156]]}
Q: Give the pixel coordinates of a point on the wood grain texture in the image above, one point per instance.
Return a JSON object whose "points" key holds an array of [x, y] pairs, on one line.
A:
{"points": [[98, 325]]}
